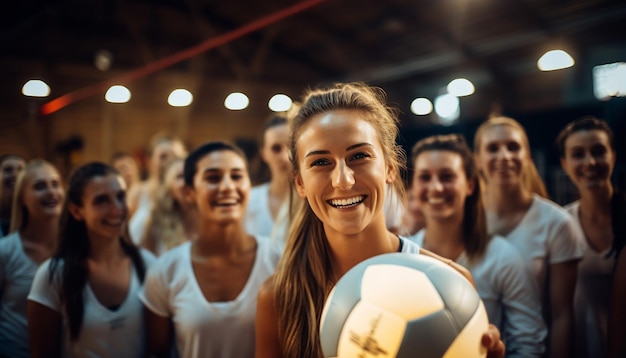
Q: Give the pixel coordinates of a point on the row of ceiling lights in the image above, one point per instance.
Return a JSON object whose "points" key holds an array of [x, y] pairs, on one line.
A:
{"points": [[446, 106]]}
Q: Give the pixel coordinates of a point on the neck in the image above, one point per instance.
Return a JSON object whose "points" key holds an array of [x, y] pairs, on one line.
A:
{"points": [[279, 187], [44, 232], [597, 201], [503, 200], [445, 238], [216, 239], [190, 221], [349, 250], [105, 250]]}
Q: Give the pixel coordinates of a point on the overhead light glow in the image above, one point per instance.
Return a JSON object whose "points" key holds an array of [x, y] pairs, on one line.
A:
{"points": [[447, 108], [555, 60], [36, 88], [421, 106], [117, 94], [460, 87], [180, 98], [280, 103], [609, 81], [236, 101]]}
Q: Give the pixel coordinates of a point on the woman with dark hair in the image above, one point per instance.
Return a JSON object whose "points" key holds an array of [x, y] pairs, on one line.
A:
{"points": [[84, 300], [445, 181], [200, 297], [37, 203], [344, 156], [587, 151], [517, 209]]}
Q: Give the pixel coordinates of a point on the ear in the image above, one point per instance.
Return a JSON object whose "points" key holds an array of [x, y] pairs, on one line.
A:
{"points": [[471, 185], [562, 160], [297, 181], [391, 174], [76, 211], [189, 193]]}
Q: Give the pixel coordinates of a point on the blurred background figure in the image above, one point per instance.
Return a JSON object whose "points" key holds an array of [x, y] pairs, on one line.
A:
{"points": [[545, 234], [174, 218], [163, 148], [37, 206], [10, 166], [587, 152], [413, 220], [266, 199], [128, 168], [84, 301]]}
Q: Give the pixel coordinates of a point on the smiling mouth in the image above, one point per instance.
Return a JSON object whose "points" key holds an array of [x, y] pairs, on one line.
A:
{"points": [[347, 203], [435, 201], [227, 202]]}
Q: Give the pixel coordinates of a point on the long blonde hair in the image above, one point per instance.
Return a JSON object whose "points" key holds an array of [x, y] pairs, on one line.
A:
{"points": [[165, 225], [304, 276], [19, 212], [531, 180]]}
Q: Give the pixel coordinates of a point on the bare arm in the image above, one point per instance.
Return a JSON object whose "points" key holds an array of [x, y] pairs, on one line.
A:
{"points": [[158, 334], [266, 323], [561, 290], [617, 313], [44, 330]]}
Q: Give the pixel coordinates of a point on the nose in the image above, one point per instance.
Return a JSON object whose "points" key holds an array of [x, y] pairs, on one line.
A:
{"points": [[343, 176], [226, 183], [436, 185], [504, 153], [590, 159]]}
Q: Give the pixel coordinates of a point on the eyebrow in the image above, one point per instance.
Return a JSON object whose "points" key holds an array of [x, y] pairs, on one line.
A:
{"points": [[213, 170], [349, 148]]}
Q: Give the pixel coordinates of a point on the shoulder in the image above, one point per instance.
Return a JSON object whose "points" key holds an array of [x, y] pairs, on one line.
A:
{"points": [[173, 259], [148, 257], [268, 248], [572, 208], [266, 292], [9, 243], [549, 210]]}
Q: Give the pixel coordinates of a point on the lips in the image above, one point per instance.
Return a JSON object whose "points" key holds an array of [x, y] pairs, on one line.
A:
{"points": [[347, 202], [227, 202]]}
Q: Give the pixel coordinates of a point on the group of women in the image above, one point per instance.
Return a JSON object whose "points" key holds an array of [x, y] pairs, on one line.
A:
{"points": [[209, 287]]}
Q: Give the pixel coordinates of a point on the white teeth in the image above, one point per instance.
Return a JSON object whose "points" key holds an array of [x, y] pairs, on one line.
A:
{"points": [[436, 200], [227, 202], [347, 202]]}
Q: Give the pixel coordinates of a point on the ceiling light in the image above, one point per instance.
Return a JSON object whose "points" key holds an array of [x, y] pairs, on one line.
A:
{"points": [[460, 87], [236, 101], [609, 80], [280, 103], [117, 94], [36, 88], [421, 106], [180, 98], [555, 60], [447, 108]]}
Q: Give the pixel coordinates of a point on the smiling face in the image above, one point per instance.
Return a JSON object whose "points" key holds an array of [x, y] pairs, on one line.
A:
{"points": [[221, 186], [275, 151], [589, 159], [42, 192], [103, 207], [441, 185], [502, 155], [342, 170], [175, 180]]}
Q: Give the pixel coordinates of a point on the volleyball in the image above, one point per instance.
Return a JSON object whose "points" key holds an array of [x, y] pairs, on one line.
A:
{"points": [[403, 305]]}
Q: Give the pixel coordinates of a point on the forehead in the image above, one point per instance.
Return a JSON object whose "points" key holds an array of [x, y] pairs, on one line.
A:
{"points": [[337, 128], [502, 132], [277, 133], [438, 159], [220, 160], [587, 137], [103, 184], [12, 162], [42, 172]]}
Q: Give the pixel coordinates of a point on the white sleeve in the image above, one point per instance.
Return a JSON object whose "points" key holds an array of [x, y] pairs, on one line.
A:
{"points": [[566, 243], [523, 327], [45, 291], [154, 293]]}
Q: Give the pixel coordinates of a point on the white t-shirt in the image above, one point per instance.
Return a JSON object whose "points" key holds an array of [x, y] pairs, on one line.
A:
{"points": [[258, 220], [510, 296], [593, 296], [104, 333], [16, 275], [202, 328], [546, 235]]}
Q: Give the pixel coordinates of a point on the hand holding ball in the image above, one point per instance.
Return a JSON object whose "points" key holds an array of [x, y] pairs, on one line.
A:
{"points": [[403, 305]]}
